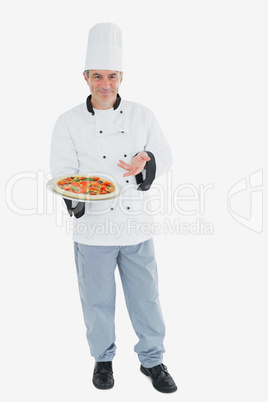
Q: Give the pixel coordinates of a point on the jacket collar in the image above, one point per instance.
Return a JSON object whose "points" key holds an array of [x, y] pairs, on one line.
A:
{"points": [[90, 108]]}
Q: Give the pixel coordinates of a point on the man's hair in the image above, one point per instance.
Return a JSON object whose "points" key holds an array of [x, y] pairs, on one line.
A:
{"points": [[87, 73]]}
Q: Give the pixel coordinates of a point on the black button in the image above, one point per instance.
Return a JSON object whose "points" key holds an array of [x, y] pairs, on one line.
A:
{"points": [[128, 207], [125, 155], [122, 132], [121, 111], [127, 181], [112, 209], [100, 131], [104, 156]]}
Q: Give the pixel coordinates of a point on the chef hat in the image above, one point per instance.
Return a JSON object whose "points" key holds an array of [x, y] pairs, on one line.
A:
{"points": [[104, 48]]}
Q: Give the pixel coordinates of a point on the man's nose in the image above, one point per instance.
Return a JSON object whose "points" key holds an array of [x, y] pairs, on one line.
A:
{"points": [[105, 83]]}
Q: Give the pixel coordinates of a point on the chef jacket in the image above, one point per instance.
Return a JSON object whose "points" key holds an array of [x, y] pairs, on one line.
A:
{"points": [[87, 141]]}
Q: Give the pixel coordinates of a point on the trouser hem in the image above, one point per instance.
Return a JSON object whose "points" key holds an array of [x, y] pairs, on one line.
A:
{"points": [[153, 364], [103, 360]]}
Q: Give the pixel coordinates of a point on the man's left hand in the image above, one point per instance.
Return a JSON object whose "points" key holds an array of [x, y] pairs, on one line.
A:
{"points": [[137, 164]]}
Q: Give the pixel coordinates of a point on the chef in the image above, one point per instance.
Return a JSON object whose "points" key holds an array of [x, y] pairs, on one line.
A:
{"points": [[120, 140]]}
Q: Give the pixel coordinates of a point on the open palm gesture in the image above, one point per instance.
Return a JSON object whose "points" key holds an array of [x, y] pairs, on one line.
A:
{"points": [[136, 165]]}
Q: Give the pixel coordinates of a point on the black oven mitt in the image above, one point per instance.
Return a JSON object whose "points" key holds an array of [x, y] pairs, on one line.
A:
{"points": [[78, 211], [145, 185]]}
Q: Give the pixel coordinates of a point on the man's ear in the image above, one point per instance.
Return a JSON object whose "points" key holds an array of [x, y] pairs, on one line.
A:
{"points": [[121, 78], [85, 76]]}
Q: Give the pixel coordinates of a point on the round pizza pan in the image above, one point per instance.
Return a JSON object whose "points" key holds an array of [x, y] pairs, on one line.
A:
{"points": [[66, 194]]}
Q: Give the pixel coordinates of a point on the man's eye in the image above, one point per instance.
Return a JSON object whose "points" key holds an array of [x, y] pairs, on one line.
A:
{"points": [[113, 77]]}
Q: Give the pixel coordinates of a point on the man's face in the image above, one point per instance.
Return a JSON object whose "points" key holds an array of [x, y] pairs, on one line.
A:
{"points": [[104, 86]]}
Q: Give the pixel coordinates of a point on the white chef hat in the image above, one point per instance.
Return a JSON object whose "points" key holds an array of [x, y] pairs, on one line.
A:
{"points": [[104, 48]]}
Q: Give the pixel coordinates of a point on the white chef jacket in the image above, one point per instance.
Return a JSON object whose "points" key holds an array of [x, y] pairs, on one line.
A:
{"points": [[92, 143]]}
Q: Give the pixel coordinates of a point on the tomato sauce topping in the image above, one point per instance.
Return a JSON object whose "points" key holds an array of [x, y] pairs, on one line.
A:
{"points": [[86, 185]]}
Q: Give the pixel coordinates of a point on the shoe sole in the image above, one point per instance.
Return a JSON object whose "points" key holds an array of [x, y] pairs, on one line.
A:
{"points": [[168, 391], [103, 388]]}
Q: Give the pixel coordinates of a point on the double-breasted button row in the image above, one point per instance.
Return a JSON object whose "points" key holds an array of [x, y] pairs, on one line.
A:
{"points": [[104, 156], [113, 208], [102, 132]]}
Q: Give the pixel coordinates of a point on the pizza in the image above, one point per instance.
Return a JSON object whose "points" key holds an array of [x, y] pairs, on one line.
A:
{"points": [[85, 187]]}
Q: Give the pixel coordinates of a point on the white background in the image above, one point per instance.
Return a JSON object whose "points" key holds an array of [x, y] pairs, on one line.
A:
{"points": [[201, 66]]}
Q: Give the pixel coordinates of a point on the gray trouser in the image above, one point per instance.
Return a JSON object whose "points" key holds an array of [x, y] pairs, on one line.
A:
{"points": [[138, 271]]}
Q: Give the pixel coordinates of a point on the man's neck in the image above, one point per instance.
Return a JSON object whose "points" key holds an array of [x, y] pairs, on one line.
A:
{"points": [[90, 104], [102, 106]]}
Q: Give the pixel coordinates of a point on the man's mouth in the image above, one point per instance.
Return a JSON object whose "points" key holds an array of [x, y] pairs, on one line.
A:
{"points": [[104, 92]]}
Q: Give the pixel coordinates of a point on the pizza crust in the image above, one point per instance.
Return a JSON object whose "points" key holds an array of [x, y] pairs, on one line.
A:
{"points": [[77, 196]]}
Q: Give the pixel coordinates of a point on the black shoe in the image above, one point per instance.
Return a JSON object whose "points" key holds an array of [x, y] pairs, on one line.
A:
{"points": [[103, 375], [162, 380]]}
